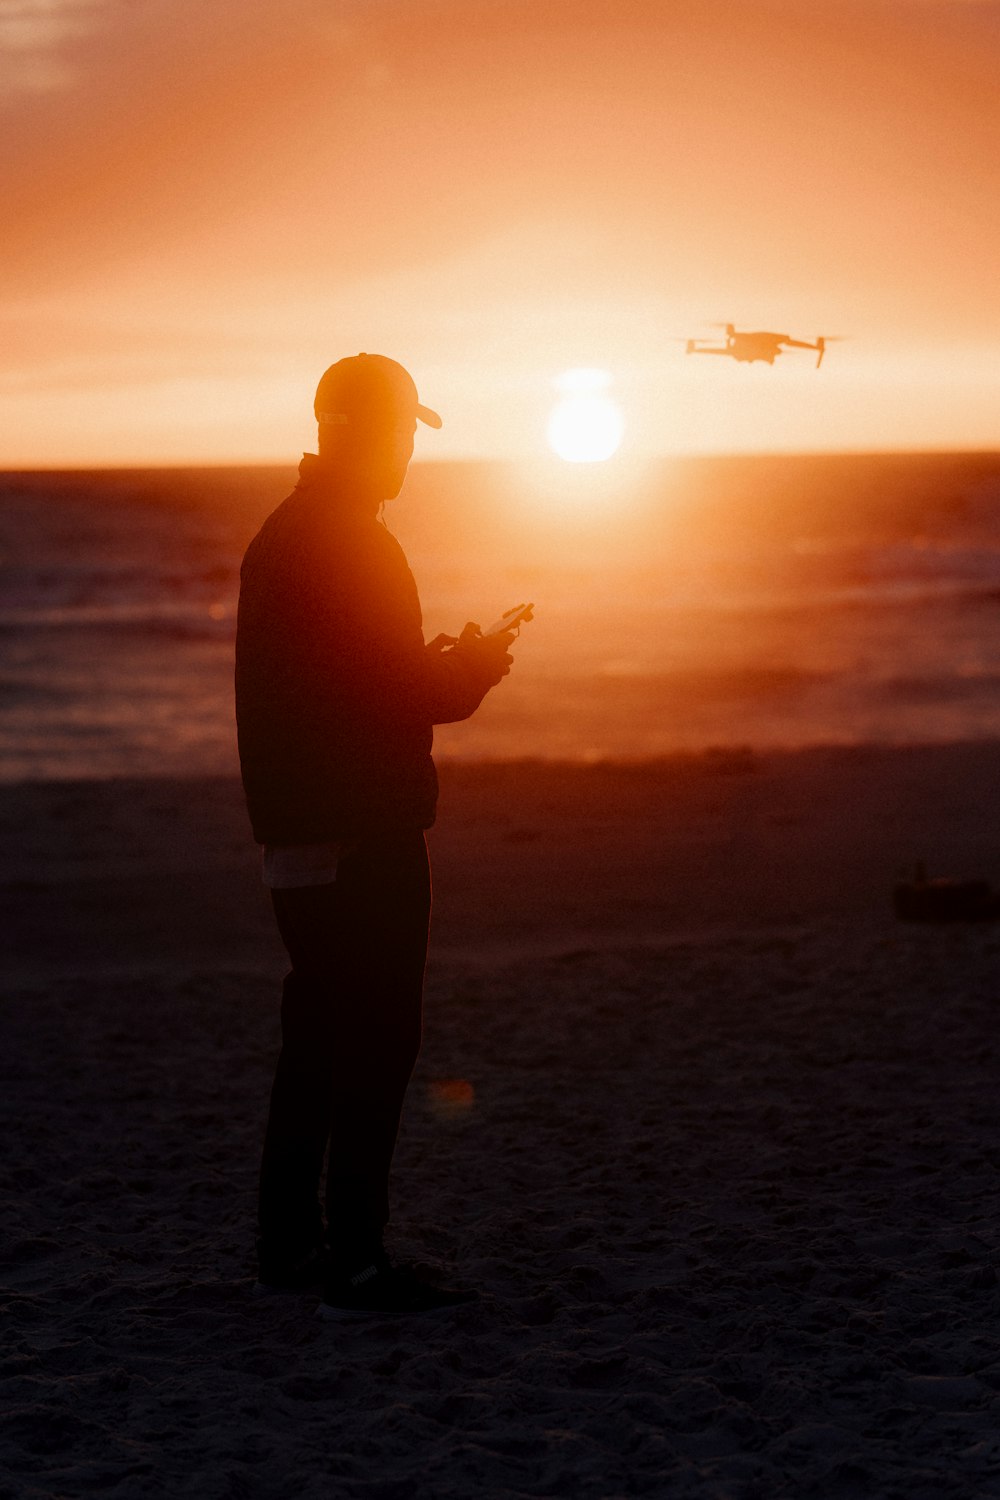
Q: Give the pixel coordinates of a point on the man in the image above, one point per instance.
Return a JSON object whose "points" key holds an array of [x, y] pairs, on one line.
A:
{"points": [[336, 698]]}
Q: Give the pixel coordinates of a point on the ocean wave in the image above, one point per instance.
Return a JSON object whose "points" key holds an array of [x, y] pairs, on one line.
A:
{"points": [[706, 683], [209, 623], [959, 687]]}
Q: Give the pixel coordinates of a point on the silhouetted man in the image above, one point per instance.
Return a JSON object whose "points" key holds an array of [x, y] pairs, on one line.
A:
{"points": [[336, 696]]}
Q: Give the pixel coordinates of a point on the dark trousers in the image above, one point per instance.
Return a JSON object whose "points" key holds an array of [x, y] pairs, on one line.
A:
{"points": [[350, 1034]]}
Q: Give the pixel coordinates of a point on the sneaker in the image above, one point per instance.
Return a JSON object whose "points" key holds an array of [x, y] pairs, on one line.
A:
{"points": [[283, 1272], [381, 1287]]}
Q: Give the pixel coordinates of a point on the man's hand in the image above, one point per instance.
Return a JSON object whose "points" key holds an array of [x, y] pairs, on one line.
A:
{"points": [[489, 652]]}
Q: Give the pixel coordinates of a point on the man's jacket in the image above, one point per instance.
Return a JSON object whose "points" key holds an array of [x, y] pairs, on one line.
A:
{"points": [[336, 694]]}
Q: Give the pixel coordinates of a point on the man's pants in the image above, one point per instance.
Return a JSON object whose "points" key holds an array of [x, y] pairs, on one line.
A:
{"points": [[350, 1034]]}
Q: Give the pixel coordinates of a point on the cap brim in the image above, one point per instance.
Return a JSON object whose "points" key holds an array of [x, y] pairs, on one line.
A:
{"points": [[429, 417]]}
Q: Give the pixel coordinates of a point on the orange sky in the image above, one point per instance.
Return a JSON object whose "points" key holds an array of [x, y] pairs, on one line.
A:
{"points": [[206, 202]]}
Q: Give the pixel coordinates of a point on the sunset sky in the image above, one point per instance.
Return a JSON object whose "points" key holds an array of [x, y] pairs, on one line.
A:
{"points": [[206, 202]]}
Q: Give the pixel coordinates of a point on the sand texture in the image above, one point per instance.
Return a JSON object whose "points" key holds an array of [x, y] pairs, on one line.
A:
{"points": [[715, 1135]]}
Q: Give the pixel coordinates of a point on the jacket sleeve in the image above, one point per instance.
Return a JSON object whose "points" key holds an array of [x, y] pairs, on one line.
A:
{"points": [[376, 663], [455, 682]]}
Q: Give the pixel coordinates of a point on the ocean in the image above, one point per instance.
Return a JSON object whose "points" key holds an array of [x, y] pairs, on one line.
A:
{"points": [[693, 605]]}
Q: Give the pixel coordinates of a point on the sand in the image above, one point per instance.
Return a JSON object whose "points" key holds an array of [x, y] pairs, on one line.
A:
{"points": [[714, 1134]]}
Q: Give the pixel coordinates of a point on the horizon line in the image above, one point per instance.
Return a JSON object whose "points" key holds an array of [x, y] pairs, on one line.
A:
{"points": [[426, 463]]}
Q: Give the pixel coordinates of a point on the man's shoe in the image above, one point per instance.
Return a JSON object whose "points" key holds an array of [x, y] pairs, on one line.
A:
{"points": [[380, 1288], [280, 1271]]}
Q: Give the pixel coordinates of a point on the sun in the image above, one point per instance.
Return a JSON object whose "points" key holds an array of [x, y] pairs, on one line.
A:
{"points": [[585, 426]]}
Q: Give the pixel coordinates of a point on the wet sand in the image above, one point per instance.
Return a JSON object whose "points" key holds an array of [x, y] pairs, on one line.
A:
{"points": [[714, 1134]]}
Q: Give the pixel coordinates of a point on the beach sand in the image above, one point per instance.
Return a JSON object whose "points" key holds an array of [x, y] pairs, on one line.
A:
{"points": [[714, 1134]]}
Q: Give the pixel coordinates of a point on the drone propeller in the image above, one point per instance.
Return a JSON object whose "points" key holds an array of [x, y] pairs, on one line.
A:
{"points": [[823, 340]]}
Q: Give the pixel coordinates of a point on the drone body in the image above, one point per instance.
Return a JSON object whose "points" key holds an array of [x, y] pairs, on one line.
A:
{"points": [[746, 347]]}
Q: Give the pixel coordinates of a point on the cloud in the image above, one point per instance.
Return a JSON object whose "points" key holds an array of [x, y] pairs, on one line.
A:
{"points": [[53, 348], [33, 39]]}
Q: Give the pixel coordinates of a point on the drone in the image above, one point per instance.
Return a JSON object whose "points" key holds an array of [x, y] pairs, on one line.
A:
{"points": [[746, 347]]}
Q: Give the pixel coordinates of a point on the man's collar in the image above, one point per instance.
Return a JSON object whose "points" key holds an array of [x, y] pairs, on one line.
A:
{"points": [[315, 470], [327, 478]]}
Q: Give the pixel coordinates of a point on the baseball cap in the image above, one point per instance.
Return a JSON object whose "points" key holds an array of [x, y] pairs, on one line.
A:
{"points": [[369, 388]]}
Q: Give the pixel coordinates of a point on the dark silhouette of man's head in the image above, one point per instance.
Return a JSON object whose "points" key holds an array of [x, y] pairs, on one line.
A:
{"points": [[367, 410]]}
